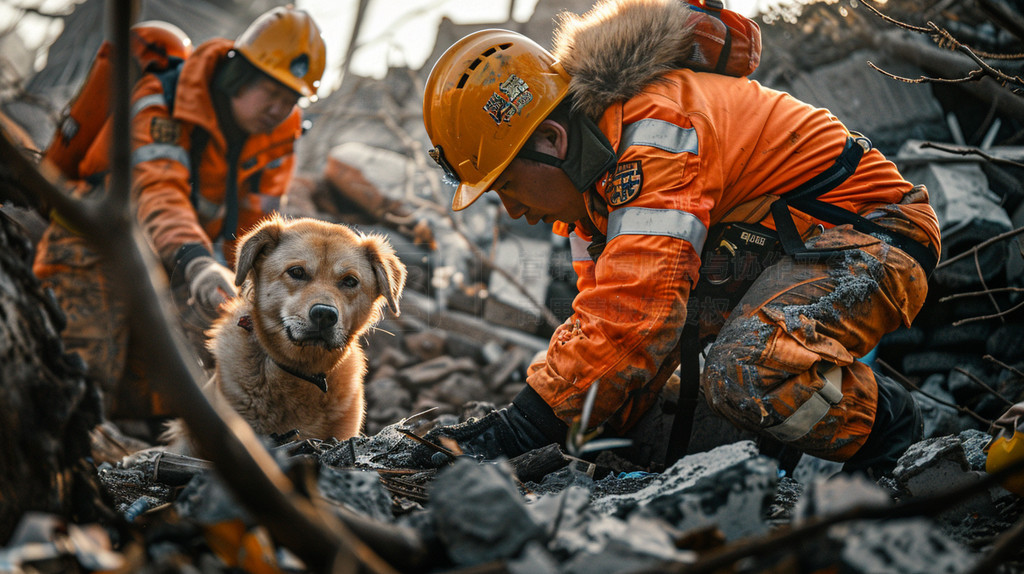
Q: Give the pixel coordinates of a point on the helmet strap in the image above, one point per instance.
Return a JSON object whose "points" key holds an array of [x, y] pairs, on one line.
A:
{"points": [[588, 156]]}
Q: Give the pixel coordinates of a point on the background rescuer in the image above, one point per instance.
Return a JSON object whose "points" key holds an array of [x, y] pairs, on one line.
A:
{"points": [[212, 153], [677, 183]]}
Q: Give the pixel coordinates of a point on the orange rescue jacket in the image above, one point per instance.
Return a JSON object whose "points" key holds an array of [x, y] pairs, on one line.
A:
{"points": [[161, 156], [691, 146]]}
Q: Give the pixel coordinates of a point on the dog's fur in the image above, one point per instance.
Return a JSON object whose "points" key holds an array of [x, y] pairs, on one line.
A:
{"points": [[620, 46], [352, 273]]}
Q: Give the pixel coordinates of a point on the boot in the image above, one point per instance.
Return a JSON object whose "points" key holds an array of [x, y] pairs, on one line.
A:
{"points": [[898, 424], [527, 424]]}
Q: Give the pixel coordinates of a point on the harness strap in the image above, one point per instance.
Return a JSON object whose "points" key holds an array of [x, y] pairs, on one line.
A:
{"points": [[318, 379], [806, 198]]}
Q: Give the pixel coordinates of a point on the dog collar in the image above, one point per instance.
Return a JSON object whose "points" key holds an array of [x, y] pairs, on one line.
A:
{"points": [[318, 379]]}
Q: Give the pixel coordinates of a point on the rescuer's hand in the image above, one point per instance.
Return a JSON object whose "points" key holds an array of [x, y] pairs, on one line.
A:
{"points": [[210, 285]]}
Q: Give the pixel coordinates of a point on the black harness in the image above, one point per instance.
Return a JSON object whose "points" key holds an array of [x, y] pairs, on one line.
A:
{"points": [[763, 245]]}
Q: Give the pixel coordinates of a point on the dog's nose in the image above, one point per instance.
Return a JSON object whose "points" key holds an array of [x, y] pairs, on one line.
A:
{"points": [[323, 316]]}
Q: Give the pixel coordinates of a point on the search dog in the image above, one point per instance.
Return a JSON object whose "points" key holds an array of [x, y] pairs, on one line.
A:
{"points": [[287, 349]]}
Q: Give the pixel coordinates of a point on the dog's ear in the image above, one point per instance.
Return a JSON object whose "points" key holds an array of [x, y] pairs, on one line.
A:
{"points": [[387, 268], [255, 244]]}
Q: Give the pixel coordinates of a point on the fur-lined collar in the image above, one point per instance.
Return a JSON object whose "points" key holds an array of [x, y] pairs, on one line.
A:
{"points": [[620, 46]]}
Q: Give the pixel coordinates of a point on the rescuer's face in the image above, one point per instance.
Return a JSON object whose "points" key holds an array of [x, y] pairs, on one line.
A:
{"points": [[262, 106], [537, 191]]}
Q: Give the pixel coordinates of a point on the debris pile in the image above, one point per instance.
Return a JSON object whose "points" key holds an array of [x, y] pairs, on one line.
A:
{"points": [[484, 292]]}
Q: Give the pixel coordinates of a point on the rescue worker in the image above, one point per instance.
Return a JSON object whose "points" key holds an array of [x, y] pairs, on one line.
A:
{"points": [[641, 160], [212, 142]]}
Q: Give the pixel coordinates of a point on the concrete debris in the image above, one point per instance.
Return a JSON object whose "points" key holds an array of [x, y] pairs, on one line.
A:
{"points": [[480, 515], [912, 546], [360, 490], [824, 497]]}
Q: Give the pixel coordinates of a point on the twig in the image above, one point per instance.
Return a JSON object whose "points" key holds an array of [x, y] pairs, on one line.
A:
{"points": [[982, 384], [1007, 546], [980, 246], [906, 383], [895, 22], [973, 76], [987, 317], [979, 293], [1004, 365], [972, 151], [991, 297]]}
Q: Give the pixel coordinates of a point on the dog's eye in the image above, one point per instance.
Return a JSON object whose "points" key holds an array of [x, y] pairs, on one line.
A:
{"points": [[296, 272], [350, 282]]}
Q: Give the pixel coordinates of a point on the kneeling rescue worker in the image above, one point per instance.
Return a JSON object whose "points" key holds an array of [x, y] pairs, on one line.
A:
{"points": [[698, 204], [213, 134]]}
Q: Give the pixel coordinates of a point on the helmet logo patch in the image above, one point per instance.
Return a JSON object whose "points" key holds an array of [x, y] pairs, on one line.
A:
{"points": [[626, 182], [514, 96], [299, 66]]}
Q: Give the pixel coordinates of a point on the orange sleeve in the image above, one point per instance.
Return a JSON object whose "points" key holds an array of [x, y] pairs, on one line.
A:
{"points": [[160, 159], [629, 319]]}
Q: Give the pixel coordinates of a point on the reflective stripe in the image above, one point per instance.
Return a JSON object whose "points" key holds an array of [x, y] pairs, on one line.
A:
{"points": [[147, 101], [161, 151], [275, 163], [660, 134], [811, 412], [645, 221], [207, 209], [268, 203], [578, 248]]}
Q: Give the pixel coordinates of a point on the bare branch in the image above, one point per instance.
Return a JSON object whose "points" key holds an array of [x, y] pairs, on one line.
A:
{"points": [[974, 76], [907, 383], [895, 22], [982, 384], [1004, 365], [980, 246], [971, 151], [986, 317], [980, 293]]}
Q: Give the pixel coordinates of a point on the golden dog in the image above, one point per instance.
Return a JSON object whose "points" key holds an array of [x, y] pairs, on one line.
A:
{"points": [[287, 349]]}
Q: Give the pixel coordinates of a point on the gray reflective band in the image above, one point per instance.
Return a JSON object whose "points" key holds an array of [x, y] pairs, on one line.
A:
{"points": [[161, 151], [578, 247], [645, 221], [811, 412], [660, 134], [207, 209], [147, 101]]}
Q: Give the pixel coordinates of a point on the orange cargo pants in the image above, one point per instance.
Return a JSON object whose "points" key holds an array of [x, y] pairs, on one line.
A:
{"points": [[97, 324], [799, 320]]}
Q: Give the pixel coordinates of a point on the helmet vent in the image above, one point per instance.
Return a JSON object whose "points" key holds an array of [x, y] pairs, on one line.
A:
{"points": [[488, 52], [462, 81], [475, 63], [505, 46]]}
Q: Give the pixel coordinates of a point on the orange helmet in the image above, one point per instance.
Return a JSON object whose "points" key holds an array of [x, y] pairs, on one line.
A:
{"points": [[285, 44], [154, 42], [483, 99]]}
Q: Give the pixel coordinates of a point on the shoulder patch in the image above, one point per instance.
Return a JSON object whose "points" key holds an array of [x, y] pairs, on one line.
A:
{"points": [[164, 130], [625, 184]]}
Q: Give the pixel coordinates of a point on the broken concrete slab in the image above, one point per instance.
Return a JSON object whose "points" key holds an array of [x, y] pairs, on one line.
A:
{"points": [[744, 480], [823, 497], [479, 513], [733, 499], [909, 546], [931, 466], [359, 490]]}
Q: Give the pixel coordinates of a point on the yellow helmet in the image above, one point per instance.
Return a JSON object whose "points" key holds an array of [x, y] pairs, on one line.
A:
{"points": [[285, 44], [483, 99], [1002, 451]]}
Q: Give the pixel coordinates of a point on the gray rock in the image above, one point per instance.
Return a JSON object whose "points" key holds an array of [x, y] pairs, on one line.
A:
{"points": [[974, 442], [479, 514], [912, 546], [729, 487], [359, 490], [535, 559], [810, 468], [841, 492], [733, 499], [931, 466]]}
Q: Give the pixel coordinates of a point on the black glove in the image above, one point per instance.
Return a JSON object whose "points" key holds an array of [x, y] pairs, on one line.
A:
{"points": [[505, 432]]}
